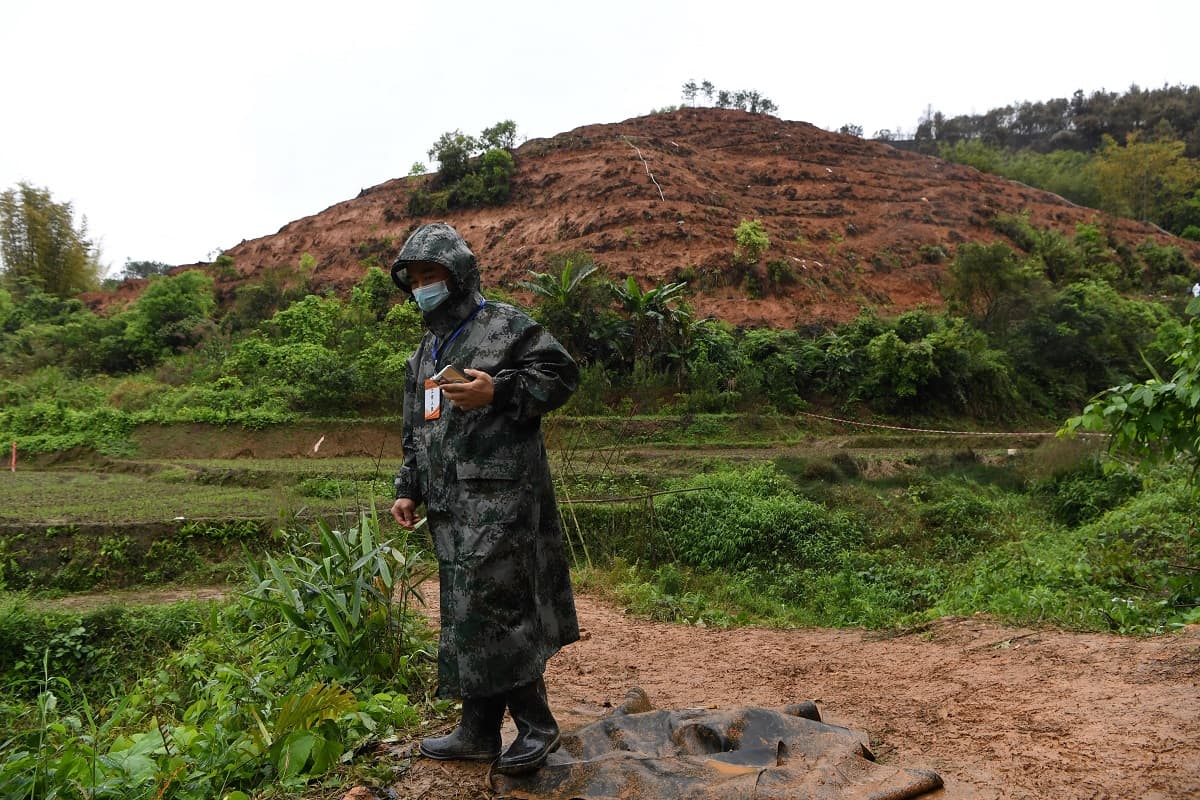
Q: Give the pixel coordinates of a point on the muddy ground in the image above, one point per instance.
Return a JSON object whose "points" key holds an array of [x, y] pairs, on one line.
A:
{"points": [[999, 712]]}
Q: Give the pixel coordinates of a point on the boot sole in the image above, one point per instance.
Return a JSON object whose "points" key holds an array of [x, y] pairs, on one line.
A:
{"points": [[459, 756], [532, 765]]}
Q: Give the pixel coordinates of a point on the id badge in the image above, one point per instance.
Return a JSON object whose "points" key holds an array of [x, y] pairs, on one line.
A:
{"points": [[433, 400]]}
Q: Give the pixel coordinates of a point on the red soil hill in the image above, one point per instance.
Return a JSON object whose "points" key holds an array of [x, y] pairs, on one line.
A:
{"points": [[658, 197]]}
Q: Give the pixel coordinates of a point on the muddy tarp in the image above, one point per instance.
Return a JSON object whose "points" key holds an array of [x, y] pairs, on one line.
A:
{"points": [[702, 754]]}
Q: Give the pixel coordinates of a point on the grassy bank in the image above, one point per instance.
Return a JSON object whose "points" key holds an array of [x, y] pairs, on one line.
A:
{"points": [[1044, 537], [716, 518], [107, 523]]}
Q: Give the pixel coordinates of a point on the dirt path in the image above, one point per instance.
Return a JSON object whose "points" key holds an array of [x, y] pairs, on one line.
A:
{"points": [[138, 597], [999, 712]]}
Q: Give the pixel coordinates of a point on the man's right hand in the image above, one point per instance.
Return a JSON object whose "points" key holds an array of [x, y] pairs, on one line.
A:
{"points": [[404, 511]]}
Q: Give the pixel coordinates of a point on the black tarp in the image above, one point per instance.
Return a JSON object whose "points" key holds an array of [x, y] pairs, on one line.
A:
{"points": [[704, 754]]}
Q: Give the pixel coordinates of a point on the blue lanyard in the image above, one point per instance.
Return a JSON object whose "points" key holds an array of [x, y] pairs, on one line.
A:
{"points": [[438, 347]]}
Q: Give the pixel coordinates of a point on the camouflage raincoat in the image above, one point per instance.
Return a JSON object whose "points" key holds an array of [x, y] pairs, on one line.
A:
{"points": [[506, 600]]}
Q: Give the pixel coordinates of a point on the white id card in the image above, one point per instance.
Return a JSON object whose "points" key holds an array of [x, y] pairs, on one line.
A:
{"points": [[433, 400]]}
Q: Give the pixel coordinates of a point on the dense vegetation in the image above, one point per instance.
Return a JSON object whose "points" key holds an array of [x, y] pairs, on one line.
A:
{"points": [[1135, 154], [1029, 333], [815, 541], [472, 171], [1077, 123]]}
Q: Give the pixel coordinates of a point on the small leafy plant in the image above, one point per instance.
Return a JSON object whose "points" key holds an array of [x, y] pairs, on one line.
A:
{"points": [[350, 596]]}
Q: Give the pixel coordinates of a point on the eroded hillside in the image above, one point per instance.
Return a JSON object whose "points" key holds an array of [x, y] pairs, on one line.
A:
{"points": [[852, 222]]}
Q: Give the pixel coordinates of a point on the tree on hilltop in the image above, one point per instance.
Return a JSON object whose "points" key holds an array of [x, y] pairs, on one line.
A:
{"points": [[472, 171], [144, 269], [689, 93], [746, 99], [501, 136], [453, 151]]}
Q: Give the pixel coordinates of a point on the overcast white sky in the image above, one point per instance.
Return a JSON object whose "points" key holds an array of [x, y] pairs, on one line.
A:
{"points": [[180, 129]]}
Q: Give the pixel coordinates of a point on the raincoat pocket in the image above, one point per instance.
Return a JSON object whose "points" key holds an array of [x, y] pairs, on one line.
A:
{"points": [[492, 507], [492, 493]]}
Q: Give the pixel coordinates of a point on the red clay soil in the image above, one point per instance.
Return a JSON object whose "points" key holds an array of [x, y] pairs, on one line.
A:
{"points": [[658, 197], [999, 712]]}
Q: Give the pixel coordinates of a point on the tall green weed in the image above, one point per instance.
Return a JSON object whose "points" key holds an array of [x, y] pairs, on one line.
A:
{"points": [[269, 693], [350, 597]]}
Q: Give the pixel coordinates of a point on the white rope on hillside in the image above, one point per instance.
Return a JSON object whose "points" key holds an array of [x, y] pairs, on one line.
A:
{"points": [[647, 166]]}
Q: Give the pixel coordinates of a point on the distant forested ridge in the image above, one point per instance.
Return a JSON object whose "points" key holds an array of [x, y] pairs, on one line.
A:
{"points": [[1136, 154], [1078, 123]]}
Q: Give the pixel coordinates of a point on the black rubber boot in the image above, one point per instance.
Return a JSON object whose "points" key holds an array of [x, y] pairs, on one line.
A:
{"points": [[537, 732], [477, 737]]}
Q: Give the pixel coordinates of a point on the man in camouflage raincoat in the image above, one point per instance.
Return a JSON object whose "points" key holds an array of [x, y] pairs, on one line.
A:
{"points": [[474, 455]]}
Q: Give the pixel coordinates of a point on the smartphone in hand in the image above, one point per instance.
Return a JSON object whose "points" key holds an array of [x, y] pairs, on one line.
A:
{"points": [[450, 374]]}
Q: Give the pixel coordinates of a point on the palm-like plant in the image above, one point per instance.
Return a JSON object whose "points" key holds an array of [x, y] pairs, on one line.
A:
{"points": [[571, 306], [653, 318], [559, 290]]}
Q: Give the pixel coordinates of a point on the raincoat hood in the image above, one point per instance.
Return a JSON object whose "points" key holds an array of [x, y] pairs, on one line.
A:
{"points": [[438, 243]]}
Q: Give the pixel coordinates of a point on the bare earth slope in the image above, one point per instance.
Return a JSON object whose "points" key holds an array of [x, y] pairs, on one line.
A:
{"points": [[659, 197], [999, 712]]}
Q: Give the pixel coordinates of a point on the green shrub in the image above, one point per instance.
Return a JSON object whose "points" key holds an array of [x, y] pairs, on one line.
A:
{"points": [[373, 295], [780, 272], [770, 366], [99, 649], [957, 517], [44, 426], [170, 315], [739, 519], [933, 253], [869, 590], [1018, 228], [1082, 339], [496, 169], [1134, 569], [1163, 261], [422, 202], [225, 401], [751, 241], [1087, 491], [933, 362]]}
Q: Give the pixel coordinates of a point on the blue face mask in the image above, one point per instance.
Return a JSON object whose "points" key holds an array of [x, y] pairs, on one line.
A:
{"points": [[431, 296]]}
